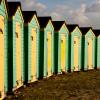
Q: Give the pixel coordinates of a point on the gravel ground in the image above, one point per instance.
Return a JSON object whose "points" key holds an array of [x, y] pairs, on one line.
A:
{"points": [[70, 86]]}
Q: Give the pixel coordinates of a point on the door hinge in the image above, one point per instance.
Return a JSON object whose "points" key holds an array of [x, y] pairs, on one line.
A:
{"points": [[17, 82], [0, 94]]}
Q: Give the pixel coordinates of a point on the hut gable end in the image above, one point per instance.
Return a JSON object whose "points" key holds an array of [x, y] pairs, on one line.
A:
{"points": [[34, 21], [77, 31], [90, 33], [3, 7], [49, 25], [18, 15], [64, 28]]}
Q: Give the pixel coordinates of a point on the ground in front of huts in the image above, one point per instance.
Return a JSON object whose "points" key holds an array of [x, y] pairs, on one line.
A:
{"points": [[70, 86]]}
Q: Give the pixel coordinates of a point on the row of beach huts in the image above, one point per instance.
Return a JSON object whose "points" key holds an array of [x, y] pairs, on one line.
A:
{"points": [[34, 47]]}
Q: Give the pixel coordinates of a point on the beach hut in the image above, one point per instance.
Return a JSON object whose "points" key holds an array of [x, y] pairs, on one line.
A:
{"points": [[88, 50], [60, 46], [97, 48], [31, 44], [15, 46], [74, 47], [3, 48], [46, 47]]}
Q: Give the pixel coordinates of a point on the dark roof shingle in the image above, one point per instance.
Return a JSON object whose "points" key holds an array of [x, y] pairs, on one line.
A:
{"points": [[84, 30], [57, 25], [12, 8], [96, 32], [71, 27], [28, 15], [43, 21]]}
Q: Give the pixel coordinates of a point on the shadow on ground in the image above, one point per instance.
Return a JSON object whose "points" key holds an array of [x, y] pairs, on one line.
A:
{"points": [[71, 86]]}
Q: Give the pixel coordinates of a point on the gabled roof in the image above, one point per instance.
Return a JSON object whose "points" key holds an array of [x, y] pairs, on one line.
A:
{"points": [[12, 8], [96, 32], [71, 27], [84, 30], [28, 15], [57, 25], [43, 21]]}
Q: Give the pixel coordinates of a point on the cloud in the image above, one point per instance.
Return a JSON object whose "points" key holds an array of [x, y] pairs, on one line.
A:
{"points": [[61, 8], [97, 1], [94, 7], [56, 15], [40, 6], [59, 12], [84, 15], [94, 18], [79, 16], [32, 5]]}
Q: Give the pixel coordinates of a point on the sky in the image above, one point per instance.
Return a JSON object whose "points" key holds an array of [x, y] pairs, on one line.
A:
{"points": [[85, 13]]}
